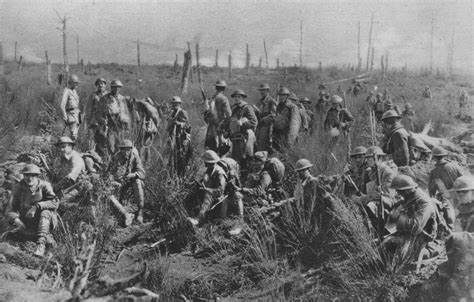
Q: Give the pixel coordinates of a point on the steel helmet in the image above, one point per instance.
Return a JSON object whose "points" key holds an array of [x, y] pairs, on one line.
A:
{"points": [[403, 182], [100, 80], [438, 151], [389, 114], [464, 183], [220, 83], [126, 143], [418, 144], [379, 94], [261, 156], [408, 106], [176, 99], [303, 164], [292, 97], [283, 91], [335, 99], [264, 86], [64, 140], [306, 100], [116, 83], [210, 157], [374, 150], [360, 150], [73, 79], [238, 92], [31, 169]]}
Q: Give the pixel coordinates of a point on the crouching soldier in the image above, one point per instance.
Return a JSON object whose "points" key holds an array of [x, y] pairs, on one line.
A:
{"points": [[127, 171], [267, 187], [69, 170], [232, 170], [414, 217], [354, 171], [212, 188], [34, 207]]}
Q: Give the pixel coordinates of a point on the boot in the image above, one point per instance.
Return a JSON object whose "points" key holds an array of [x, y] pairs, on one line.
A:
{"points": [[40, 247], [140, 216]]}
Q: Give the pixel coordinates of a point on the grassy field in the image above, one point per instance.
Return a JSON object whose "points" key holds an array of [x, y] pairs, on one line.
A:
{"points": [[286, 258]]}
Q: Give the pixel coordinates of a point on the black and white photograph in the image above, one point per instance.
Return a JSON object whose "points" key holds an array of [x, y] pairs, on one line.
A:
{"points": [[224, 150]]}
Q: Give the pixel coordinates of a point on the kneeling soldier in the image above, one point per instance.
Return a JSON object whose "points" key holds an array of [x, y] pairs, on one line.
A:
{"points": [[34, 206]]}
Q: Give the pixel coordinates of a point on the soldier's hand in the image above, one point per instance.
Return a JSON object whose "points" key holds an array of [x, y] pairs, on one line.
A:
{"points": [[131, 176], [31, 212]]}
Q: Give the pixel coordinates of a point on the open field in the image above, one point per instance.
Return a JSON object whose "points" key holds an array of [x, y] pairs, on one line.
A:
{"points": [[285, 258]]}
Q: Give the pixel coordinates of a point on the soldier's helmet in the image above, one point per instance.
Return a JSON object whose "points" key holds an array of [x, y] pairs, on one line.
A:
{"points": [[464, 183], [379, 94], [427, 87], [100, 80], [116, 83], [126, 143], [418, 144], [31, 169], [292, 97], [261, 156], [238, 92], [438, 151], [176, 99], [220, 83], [390, 114], [64, 140], [306, 100], [403, 182], [264, 86], [360, 150], [283, 91], [408, 106], [73, 79], [210, 157], [335, 99], [373, 151], [302, 164]]}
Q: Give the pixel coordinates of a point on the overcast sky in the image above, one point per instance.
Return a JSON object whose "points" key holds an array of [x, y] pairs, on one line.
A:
{"points": [[108, 30]]}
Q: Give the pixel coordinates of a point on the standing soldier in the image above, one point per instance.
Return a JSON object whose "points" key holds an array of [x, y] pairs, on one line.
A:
{"points": [[338, 118], [179, 133], [379, 107], [427, 95], [303, 115], [34, 207], [385, 95], [464, 100], [267, 107], [306, 102], [396, 138], [287, 121], [371, 98], [408, 117], [464, 188], [127, 170], [71, 113], [69, 169], [216, 110], [92, 114]]}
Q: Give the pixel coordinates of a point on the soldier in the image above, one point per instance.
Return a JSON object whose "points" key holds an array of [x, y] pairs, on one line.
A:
{"points": [[215, 112], [464, 188], [357, 88], [408, 117], [427, 95], [70, 109], [386, 96], [114, 120], [355, 171], [303, 115], [418, 150], [232, 170], [306, 102], [179, 133], [34, 207], [414, 217], [379, 107], [241, 129], [337, 117], [464, 101], [127, 170], [92, 114], [388, 105], [287, 121], [371, 98], [395, 141], [267, 108], [69, 169], [212, 188], [441, 182], [267, 187], [321, 103]]}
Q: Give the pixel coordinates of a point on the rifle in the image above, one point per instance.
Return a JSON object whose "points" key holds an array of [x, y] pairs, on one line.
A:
{"points": [[381, 207]]}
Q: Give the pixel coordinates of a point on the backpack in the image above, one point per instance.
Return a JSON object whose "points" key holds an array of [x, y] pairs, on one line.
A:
{"points": [[276, 169]]}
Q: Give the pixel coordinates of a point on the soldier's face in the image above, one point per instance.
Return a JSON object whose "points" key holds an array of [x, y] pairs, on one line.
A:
{"points": [[30, 179], [371, 161], [358, 159], [283, 98], [73, 85], [303, 173], [465, 197], [175, 105], [126, 151], [238, 98], [115, 89], [65, 149], [263, 92], [100, 86], [209, 166]]}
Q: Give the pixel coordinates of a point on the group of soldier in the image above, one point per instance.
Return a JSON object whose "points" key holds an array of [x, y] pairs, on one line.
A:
{"points": [[240, 169]]}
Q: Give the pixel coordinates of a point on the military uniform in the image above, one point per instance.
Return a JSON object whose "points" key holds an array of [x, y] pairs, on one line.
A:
{"points": [[447, 172], [427, 94], [69, 170], [70, 111], [120, 167], [336, 116], [179, 134], [396, 144], [232, 170], [269, 181], [214, 182], [267, 108], [287, 125], [219, 110]]}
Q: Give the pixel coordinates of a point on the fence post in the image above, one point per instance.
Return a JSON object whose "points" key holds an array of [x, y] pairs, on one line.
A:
{"points": [[20, 64], [186, 72], [2, 71], [230, 64], [198, 66]]}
